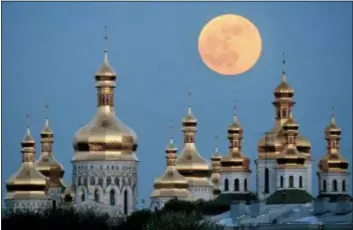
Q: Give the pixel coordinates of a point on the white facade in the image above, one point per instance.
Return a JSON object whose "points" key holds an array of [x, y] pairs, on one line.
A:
{"points": [[274, 178], [201, 192], [238, 182], [331, 183], [28, 205], [110, 184]]}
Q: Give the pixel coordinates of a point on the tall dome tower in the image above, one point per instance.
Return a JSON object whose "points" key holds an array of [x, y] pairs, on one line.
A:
{"points": [[171, 185], [27, 188], [274, 142], [235, 168], [191, 165], [48, 165], [333, 168], [105, 161]]}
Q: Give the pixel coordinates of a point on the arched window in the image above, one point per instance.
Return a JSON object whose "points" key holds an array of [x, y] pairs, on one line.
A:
{"points": [[236, 185], [112, 197], [96, 195], [267, 180], [109, 180], [300, 182], [324, 186], [79, 181], [334, 186], [291, 182], [245, 185], [92, 180], [83, 196], [343, 186], [125, 202], [100, 181], [116, 181], [85, 181], [281, 181], [226, 185]]}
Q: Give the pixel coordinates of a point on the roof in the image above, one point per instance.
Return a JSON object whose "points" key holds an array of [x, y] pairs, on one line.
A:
{"points": [[289, 196]]}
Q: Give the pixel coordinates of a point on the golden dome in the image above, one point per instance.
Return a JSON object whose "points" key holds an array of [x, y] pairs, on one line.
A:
{"points": [[236, 161], [171, 183], [47, 164], [27, 182], [333, 161], [105, 138], [290, 155], [235, 125], [283, 87], [189, 118]]}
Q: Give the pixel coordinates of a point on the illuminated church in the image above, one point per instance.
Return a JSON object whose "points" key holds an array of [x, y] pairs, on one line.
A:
{"points": [[104, 175]]}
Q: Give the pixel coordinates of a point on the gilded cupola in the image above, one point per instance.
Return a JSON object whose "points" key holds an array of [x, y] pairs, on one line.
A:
{"points": [[27, 183], [272, 143], [290, 156], [216, 169], [190, 164], [333, 161], [171, 183], [235, 161], [105, 138], [47, 164]]}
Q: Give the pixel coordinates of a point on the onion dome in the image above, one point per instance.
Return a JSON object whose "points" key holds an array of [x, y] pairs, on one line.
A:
{"points": [[27, 183], [171, 184], [106, 137], [236, 161], [190, 164], [290, 156], [47, 164], [216, 168], [272, 143], [283, 88], [333, 161]]}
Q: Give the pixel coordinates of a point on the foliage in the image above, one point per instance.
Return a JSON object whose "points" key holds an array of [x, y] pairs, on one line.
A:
{"points": [[136, 221], [179, 220], [54, 219]]}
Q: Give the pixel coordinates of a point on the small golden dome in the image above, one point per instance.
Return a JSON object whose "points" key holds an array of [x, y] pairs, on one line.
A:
{"points": [[235, 125], [27, 176], [47, 164], [283, 87], [290, 123], [189, 118], [171, 183], [332, 126]]}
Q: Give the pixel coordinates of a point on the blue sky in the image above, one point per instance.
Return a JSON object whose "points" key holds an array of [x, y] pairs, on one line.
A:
{"points": [[50, 52]]}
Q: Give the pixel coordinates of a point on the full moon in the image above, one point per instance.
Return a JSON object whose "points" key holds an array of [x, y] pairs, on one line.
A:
{"points": [[229, 44]]}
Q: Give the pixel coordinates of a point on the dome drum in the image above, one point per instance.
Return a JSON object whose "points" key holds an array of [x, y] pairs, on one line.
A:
{"points": [[198, 173], [290, 160], [171, 185], [126, 145]]}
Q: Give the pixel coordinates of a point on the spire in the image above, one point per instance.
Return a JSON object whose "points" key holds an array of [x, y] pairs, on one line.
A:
{"points": [[189, 118], [28, 137], [333, 120], [106, 70], [46, 129], [189, 101], [235, 111], [106, 44], [171, 142], [284, 77]]}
